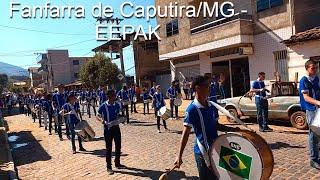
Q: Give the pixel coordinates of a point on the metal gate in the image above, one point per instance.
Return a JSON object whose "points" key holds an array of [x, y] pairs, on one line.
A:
{"points": [[281, 64]]}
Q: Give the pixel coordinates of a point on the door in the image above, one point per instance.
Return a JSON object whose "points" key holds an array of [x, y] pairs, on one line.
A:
{"points": [[221, 69], [248, 106]]}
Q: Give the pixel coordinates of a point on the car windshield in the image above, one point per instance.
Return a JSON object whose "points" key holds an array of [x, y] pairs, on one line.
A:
{"points": [[284, 90]]}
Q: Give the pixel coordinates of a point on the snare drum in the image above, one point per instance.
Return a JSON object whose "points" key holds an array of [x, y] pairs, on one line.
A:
{"points": [[125, 102], [315, 124], [165, 113], [177, 102], [134, 99], [242, 155], [84, 130]]}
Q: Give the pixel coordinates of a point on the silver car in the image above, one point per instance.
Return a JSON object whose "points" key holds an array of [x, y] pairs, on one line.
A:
{"points": [[283, 102]]}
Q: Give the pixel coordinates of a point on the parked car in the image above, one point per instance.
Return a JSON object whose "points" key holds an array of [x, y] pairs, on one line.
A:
{"points": [[283, 101]]}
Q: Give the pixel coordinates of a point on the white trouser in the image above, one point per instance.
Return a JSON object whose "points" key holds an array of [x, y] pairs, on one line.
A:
{"points": [[45, 119]]}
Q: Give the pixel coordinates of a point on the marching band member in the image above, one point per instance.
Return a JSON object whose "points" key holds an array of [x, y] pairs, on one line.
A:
{"points": [[172, 93], [159, 103], [259, 88], [310, 101], [109, 112], [69, 110], [132, 95], [200, 115], [102, 96], [58, 99], [124, 98], [38, 106], [151, 93], [44, 111], [89, 99], [145, 98], [47, 107], [214, 86]]}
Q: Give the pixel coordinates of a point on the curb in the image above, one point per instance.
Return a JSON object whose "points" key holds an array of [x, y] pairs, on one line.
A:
{"points": [[10, 168]]}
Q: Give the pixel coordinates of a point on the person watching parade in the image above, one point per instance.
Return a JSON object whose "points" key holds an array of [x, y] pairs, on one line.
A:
{"points": [[259, 88]]}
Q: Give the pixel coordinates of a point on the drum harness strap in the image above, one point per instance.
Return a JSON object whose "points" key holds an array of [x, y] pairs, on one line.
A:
{"points": [[73, 111], [107, 111], [204, 150], [158, 101]]}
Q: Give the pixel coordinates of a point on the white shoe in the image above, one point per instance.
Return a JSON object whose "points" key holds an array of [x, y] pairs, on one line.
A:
{"points": [[110, 171], [159, 131]]}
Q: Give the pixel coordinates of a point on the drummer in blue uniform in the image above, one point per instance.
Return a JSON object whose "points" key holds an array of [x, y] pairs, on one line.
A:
{"points": [[69, 110], [123, 95], [158, 103], [145, 98], [109, 112], [172, 93], [58, 99], [90, 99], [151, 93], [47, 106], [214, 87], [200, 115], [102, 96], [132, 95]]}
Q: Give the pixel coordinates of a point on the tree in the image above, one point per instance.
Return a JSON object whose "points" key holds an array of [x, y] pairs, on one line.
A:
{"points": [[99, 71], [3, 81]]}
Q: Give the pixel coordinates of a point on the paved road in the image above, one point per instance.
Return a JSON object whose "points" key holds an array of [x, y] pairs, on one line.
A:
{"points": [[146, 152]]}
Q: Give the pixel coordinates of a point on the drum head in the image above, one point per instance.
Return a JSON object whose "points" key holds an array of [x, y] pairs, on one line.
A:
{"points": [[235, 157], [162, 111], [178, 102]]}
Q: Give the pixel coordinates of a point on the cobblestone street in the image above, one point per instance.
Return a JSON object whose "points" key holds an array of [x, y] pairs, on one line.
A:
{"points": [[145, 152]]}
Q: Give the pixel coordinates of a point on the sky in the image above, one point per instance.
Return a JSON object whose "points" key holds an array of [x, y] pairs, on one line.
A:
{"points": [[20, 39]]}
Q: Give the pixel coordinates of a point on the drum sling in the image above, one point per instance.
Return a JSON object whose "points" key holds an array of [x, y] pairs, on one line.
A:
{"points": [[205, 150]]}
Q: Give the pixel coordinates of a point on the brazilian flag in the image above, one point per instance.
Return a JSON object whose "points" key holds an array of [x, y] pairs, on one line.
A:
{"points": [[235, 162]]}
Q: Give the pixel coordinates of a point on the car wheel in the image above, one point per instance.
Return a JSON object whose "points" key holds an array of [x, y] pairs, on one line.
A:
{"points": [[234, 113], [299, 120]]}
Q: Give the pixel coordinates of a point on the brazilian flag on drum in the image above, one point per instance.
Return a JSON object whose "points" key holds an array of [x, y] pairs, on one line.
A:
{"points": [[235, 162]]}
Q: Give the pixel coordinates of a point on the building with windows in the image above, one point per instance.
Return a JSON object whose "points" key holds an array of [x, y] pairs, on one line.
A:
{"points": [[58, 68], [239, 47]]}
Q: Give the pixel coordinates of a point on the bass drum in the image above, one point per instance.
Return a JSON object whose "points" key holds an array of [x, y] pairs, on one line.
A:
{"points": [[243, 155]]}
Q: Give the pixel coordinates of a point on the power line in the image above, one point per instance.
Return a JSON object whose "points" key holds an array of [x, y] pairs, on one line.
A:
{"points": [[37, 50], [45, 32]]}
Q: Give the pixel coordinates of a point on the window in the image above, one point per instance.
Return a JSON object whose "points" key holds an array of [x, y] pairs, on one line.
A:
{"points": [[76, 75], [281, 64], [76, 62], [268, 4], [172, 28]]}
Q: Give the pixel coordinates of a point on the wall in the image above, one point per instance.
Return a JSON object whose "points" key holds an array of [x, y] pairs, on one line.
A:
{"points": [[306, 13], [60, 66], [185, 40], [76, 68], [299, 54], [264, 45], [272, 19]]}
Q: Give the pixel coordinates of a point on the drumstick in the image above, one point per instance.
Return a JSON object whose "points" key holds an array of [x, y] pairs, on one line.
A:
{"points": [[227, 113], [164, 176]]}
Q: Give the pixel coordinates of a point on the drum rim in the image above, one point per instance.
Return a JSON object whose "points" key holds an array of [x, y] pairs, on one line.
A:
{"points": [[241, 134]]}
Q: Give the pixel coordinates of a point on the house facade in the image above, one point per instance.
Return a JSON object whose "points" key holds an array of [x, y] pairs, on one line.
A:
{"points": [[58, 68], [240, 47]]}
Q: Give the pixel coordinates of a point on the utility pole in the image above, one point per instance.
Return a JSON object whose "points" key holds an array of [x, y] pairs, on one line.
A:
{"points": [[116, 21]]}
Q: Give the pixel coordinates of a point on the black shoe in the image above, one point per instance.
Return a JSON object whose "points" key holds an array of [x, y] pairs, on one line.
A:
{"points": [[61, 139], [268, 129], [82, 149], [314, 165], [120, 166], [74, 152], [68, 137]]}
